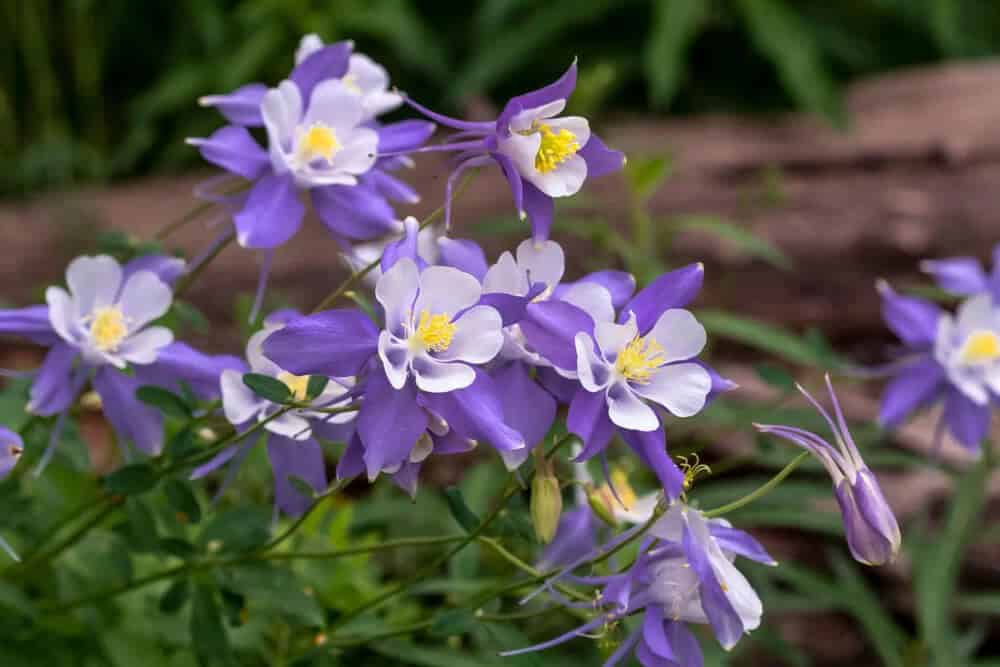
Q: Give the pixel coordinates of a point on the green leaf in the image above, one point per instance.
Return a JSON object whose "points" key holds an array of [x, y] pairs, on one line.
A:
{"points": [[182, 499], [675, 25], [208, 632], [411, 654], [317, 383], [766, 337], [177, 547], [465, 517], [452, 622], [747, 242], [645, 175], [132, 479], [276, 590], [775, 376], [175, 597], [237, 529], [778, 33], [267, 387], [886, 637]]}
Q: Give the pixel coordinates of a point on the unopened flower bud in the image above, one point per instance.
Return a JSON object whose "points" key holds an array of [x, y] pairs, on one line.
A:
{"points": [[601, 501], [872, 531], [546, 502]]}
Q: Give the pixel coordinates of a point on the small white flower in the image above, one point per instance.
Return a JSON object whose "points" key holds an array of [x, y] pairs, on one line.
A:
{"points": [[968, 347], [629, 368], [365, 78], [433, 329], [323, 143], [107, 320], [240, 404], [545, 149]]}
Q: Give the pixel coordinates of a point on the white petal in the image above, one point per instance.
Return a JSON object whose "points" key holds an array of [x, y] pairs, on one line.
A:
{"points": [[144, 346], [506, 277], [680, 388], [255, 353], [594, 373], [524, 119], [395, 356], [144, 298], [593, 299], [522, 149], [629, 411], [575, 124], [969, 382], [976, 313], [681, 335], [62, 313], [478, 337], [239, 403], [396, 291], [333, 105], [93, 282], [641, 510], [281, 110], [440, 377], [309, 45], [358, 153], [563, 181], [541, 261], [738, 590], [446, 290], [291, 426], [612, 338], [367, 74], [377, 103]]}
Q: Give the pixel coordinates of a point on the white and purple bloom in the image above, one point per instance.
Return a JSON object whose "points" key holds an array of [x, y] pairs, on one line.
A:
{"points": [[684, 574], [100, 326], [420, 378], [872, 532], [965, 276], [543, 155], [949, 358], [292, 445]]}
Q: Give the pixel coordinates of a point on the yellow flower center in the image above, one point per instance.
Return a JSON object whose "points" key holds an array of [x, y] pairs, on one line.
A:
{"points": [[556, 147], [107, 328], [297, 384], [319, 141], [435, 332], [639, 359], [980, 347]]}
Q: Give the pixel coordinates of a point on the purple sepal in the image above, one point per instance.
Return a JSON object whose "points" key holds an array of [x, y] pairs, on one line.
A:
{"points": [[685, 645], [963, 276], [234, 149], [912, 388], [654, 635], [600, 159], [272, 213], [53, 389], [389, 423], [390, 187], [333, 432], [464, 255], [406, 247], [527, 407], [726, 623], [540, 209], [335, 343], [166, 267], [301, 458], [407, 478], [404, 135], [620, 285], [651, 448], [513, 179], [510, 306], [216, 462], [179, 362], [131, 419], [550, 327], [967, 421], [242, 106], [872, 532], [588, 419], [329, 62], [559, 89], [352, 461], [355, 212], [740, 542], [913, 320], [575, 537], [674, 289], [476, 413], [31, 322]]}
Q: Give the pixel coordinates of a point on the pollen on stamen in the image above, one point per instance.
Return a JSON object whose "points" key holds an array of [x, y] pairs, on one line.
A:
{"points": [[639, 359], [981, 347], [555, 148], [318, 141], [108, 328], [435, 332]]}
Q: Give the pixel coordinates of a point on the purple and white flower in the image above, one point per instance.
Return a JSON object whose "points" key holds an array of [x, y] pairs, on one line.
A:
{"points": [[11, 448], [542, 155], [965, 276], [949, 358], [872, 531]]}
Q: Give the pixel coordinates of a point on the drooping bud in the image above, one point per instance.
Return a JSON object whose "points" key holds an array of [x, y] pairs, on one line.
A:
{"points": [[546, 500], [602, 501], [872, 531]]}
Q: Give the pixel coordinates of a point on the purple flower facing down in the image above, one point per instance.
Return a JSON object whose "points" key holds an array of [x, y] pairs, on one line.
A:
{"points": [[11, 448], [872, 532], [434, 330], [965, 276], [949, 358], [543, 155], [687, 576]]}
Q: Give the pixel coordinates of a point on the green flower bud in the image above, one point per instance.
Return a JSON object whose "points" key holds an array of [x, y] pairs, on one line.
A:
{"points": [[546, 502]]}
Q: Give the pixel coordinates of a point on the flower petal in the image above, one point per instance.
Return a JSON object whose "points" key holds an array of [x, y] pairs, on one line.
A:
{"points": [[144, 298], [681, 335], [445, 290], [477, 338], [628, 411], [93, 282], [271, 215], [440, 377], [680, 388], [396, 291]]}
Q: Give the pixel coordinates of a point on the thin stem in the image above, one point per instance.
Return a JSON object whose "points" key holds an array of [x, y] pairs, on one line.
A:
{"points": [[70, 540], [765, 488], [185, 283], [183, 221], [301, 519]]}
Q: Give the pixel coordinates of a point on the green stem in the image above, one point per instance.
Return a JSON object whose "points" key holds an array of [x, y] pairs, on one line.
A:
{"points": [[183, 221], [761, 490], [185, 283], [70, 540]]}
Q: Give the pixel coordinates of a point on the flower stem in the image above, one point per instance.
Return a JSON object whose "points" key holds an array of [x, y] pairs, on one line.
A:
{"points": [[765, 488]]}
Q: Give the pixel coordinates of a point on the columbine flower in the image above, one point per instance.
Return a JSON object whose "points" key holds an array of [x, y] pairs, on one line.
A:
{"points": [[291, 444], [686, 577], [542, 155], [872, 532], [419, 376], [11, 447], [965, 276], [97, 328], [951, 358], [364, 78]]}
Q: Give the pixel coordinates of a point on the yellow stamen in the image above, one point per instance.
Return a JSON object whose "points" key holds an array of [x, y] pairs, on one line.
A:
{"points": [[556, 147], [435, 332], [319, 141], [297, 384], [692, 470], [981, 347], [108, 329], [625, 491], [639, 359]]}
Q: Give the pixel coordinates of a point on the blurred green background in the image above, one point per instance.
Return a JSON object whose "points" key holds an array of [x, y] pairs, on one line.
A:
{"points": [[100, 90]]}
